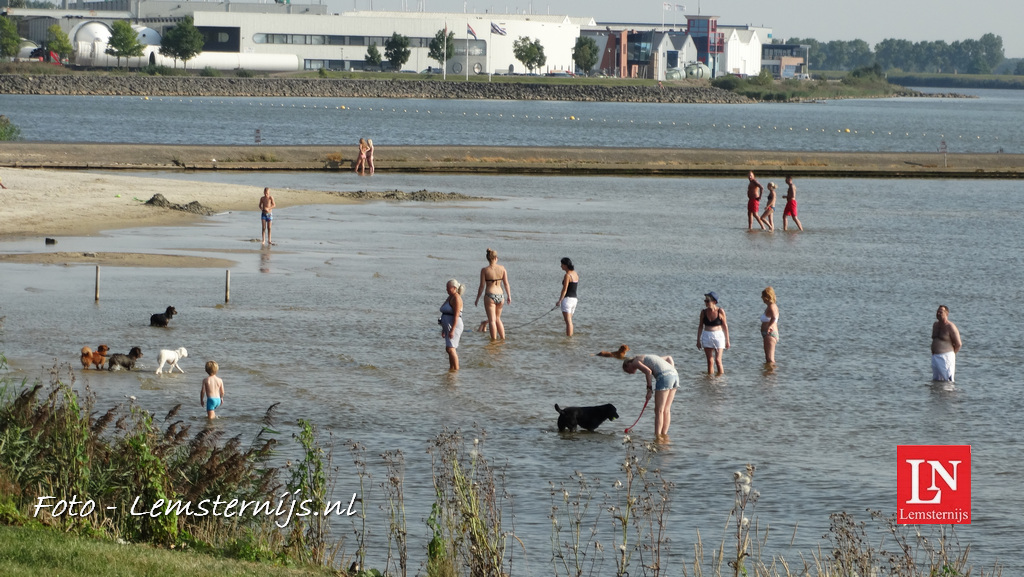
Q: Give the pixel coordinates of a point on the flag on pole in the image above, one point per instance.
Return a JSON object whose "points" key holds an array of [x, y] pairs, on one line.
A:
{"points": [[666, 6], [680, 8], [498, 29], [470, 31]]}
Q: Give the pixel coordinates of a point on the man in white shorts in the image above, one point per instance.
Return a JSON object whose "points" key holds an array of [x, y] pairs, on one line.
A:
{"points": [[946, 344]]}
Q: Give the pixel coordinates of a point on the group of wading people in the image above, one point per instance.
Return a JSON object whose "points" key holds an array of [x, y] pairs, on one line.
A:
{"points": [[766, 220]]}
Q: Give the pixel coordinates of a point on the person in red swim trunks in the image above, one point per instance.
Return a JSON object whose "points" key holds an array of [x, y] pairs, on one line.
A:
{"points": [[790, 210], [754, 190]]}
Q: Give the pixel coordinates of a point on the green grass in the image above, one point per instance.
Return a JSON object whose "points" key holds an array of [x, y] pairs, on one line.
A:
{"points": [[27, 552]]}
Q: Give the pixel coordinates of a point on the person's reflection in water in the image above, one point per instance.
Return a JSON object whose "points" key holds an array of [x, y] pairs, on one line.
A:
{"points": [[265, 260]]}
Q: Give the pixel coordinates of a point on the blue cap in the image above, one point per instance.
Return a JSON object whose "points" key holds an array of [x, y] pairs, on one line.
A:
{"points": [[712, 296]]}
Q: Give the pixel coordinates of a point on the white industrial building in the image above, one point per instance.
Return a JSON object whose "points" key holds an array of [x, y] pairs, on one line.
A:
{"points": [[287, 37]]}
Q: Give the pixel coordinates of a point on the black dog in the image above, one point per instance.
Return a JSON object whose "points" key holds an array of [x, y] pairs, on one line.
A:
{"points": [[160, 319], [589, 418], [127, 361]]}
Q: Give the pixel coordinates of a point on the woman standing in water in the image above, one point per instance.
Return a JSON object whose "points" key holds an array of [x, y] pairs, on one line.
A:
{"points": [[494, 287], [769, 325], [451, 321], [713, 333], [662, 382], [567, 298]]}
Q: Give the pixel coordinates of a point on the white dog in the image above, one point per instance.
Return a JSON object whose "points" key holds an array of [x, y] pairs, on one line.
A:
{"points": [[172, 357]]}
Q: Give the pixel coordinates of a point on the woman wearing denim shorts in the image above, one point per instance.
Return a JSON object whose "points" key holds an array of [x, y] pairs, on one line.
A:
{"points": [[662, 382]]}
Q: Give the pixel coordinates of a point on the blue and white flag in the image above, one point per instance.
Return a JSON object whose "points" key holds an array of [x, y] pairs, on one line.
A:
{"points": [[469, 30], [498, 29]]}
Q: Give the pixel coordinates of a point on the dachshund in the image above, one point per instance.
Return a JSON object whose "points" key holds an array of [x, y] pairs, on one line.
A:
{"points": [[97, 357], [160, 319], [127, 362], [619, 354]]}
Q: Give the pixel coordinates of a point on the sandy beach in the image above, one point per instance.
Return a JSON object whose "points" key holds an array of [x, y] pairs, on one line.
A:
{"points": [[56, 203]]}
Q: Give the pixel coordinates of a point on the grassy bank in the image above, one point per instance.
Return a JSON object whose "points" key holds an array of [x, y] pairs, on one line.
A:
{"points": [[40, 552]]}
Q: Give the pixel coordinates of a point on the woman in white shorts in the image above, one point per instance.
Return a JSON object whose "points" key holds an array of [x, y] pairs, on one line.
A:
{"points": [[567, 298], [713, 333]]}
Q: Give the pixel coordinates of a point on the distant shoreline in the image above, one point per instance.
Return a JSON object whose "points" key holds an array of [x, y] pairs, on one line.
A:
{"points": [[554, 161]]}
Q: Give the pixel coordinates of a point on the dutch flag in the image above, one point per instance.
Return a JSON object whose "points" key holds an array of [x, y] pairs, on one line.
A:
{"points": [[498, 29], [469, 30]]}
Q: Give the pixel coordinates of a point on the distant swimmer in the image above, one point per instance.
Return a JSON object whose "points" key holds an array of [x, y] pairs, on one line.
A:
{"points": [[946, 344], [790, 209], [754, 190]]}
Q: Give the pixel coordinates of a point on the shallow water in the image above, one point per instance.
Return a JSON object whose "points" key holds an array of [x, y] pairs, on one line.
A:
{"points": [[338, 324]]}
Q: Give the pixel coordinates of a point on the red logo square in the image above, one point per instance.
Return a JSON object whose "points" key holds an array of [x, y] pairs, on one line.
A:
{"points": [[933, 484]]}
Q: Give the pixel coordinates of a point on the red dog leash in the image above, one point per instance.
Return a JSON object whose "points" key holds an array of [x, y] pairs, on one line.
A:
{"points": [[641, 414]]}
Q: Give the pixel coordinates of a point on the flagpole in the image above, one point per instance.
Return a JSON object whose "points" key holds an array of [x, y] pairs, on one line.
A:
{"points": [[444, 55], [467, 51], [490, 36]]}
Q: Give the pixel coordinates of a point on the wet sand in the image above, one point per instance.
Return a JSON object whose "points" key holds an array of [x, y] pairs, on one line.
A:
{"points": [[516, 160]]}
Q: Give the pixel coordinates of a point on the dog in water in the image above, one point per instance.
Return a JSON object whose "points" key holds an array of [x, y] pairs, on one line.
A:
{"points": [[127, 362], [160, 319], [589, 418], [97, 357], [172, 357], [619, 354]]}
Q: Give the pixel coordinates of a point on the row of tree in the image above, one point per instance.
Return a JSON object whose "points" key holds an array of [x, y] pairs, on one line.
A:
{"points": [[979, 56], [183, 41], [442, 49]]}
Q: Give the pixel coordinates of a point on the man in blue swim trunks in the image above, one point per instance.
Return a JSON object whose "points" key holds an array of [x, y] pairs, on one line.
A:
{"points": [[267, 205], [212, 392]]}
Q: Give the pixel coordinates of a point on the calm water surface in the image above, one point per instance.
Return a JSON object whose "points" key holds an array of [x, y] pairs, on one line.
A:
{"points": [[983, 124], [338, 324]]}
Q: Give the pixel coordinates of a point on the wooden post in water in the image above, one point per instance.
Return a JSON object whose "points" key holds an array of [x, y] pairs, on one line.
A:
{"points": [[227, 286], [96, 296]]}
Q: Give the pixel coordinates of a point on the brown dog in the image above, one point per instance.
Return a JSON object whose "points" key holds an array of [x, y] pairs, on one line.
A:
{"points": [[619, 354], [97, 357]]}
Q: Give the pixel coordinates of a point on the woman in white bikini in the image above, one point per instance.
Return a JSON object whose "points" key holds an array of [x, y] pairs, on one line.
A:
{"points": [[496, 292], [713, 333], [770, 325]]}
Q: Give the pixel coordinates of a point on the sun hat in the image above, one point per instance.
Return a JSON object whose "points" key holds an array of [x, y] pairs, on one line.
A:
{"points": [[712, 296]]}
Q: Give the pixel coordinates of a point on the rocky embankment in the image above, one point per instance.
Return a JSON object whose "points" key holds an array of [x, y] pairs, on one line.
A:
{"points": [[101, 85]]}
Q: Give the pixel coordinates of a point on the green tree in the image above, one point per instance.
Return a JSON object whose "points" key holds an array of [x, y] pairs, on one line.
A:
{"points": [[373, 55], [442, 49], [9, 38], [396, 50], [124, 42], [8, 131], [992, 50], [584, 54], [57, 41], [182, 41], [1019, 69], [529, 52]]}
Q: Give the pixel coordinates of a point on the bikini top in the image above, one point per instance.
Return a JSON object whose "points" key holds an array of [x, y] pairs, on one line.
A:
{"points": [[767, 319], [492, 280], [715, 323], [570, 289]]}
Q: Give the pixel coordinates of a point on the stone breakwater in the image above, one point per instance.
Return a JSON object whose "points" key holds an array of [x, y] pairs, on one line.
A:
{"points": [[100, 85]]}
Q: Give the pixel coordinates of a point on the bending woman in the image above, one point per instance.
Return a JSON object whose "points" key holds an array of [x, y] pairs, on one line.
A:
{"points": [[713, 333], [666, 380], [770, 325], [494, 287], [451, 321], [567, 298]]}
